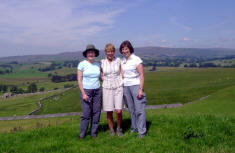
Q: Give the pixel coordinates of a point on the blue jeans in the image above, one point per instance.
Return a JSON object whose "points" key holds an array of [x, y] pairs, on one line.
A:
{"points": [[136, 108], [91, 111]]}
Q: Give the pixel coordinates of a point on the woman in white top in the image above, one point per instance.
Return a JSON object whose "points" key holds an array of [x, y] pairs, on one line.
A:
{"points": [[133, 88], [112, 88]]}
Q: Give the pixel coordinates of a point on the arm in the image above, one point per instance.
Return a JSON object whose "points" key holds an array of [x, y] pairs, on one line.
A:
{"points": [[101, 74], [140, 69], [121, 71], [79, 78], [120, 67]]}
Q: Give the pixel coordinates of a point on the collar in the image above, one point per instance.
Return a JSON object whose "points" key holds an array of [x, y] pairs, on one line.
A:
{"points": [[131, 56], [112, 60]]}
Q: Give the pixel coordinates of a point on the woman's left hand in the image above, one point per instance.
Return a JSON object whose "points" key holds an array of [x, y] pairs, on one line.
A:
{"points": [[140, 94]]}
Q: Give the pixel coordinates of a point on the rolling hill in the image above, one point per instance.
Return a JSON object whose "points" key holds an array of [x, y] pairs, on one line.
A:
{"points": [[144, 52]]}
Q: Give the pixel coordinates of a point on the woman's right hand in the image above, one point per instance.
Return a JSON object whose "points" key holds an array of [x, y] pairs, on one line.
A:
{"points": [[85, 97]]}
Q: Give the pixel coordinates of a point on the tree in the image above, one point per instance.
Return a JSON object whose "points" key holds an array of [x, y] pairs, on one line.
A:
{"points": [[49, 75], [4, 88], [32, 88], [20, 91], [42, 89], [14, 89], [208, 65]]}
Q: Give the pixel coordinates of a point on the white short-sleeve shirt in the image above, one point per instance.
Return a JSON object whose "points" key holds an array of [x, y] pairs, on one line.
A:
{"points": [[129, 67]]}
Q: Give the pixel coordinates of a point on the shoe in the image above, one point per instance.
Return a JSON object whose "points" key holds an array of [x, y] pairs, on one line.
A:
{"points": [[112, 132], [119, 132], [133, 131], [140, 136]]}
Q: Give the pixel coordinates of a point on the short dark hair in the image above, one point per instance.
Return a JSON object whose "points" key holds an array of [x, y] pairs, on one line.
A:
{"points": [[127, 44]]}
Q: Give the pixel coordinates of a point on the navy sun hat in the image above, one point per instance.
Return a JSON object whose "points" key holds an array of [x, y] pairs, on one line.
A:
{"points": [[91, 47]]}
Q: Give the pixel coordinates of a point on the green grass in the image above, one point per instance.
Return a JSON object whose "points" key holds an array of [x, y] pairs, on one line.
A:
{"points": [[66, 102], [166, 133], [22, 105], [185, 85], [219, 103], [64, 71], [226, 62], [165, 86], [206, 126], [12, 126], [51, 85], [24, 74], [29, 73]]}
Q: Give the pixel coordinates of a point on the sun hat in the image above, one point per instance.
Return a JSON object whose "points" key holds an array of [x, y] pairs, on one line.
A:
{"points": [[90, 47]]}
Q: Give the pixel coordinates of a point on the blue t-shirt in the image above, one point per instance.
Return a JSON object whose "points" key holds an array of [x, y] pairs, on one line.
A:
{"points": [[90, 74]]}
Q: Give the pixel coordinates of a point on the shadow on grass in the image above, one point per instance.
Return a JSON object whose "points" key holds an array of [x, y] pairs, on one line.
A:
{"points": [[126, 126]]}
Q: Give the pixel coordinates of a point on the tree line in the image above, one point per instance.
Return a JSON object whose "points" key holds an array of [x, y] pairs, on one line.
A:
{"points": [[58, 78], [187, 62], [6, 69], [31, 88], [54, 66]]}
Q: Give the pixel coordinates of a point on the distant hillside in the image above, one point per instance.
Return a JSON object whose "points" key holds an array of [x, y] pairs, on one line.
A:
{"points": [[157, 52], [144, 52]]}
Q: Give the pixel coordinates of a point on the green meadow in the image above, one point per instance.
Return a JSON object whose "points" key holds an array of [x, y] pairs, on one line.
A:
{"points": [[26, 73], [201, 126], [21, 105], [225, 62], [166, 86]]}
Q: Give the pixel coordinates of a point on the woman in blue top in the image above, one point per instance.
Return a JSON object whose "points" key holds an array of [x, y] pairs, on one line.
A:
{"points": [[88, 75]]}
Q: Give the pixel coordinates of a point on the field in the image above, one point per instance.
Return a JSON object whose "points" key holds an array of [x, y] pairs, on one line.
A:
{"points": [[225, 62], [26, 73], [21, 105], [203, 125], [191, 128], [165, 86]]}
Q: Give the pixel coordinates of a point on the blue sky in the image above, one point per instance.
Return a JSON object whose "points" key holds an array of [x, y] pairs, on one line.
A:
{"points": [[53, 26]]}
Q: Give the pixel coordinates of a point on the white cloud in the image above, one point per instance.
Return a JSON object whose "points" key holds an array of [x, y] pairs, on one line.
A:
{"points": [[53, 22], [186, 39], [175, 21]]}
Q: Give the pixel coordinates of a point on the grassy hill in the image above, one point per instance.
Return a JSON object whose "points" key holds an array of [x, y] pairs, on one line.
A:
{"points": [[21, 105], [66, 102], [165, 86], [205, 126], [162, 87], [145, 52]]}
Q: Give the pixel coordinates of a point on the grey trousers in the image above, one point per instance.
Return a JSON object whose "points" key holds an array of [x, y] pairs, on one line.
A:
{"points": [[136, 108], [91, 111]]}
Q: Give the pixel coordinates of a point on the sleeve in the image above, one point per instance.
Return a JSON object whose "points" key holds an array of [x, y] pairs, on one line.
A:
{"points": [[80, 66], [138, 61]]}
